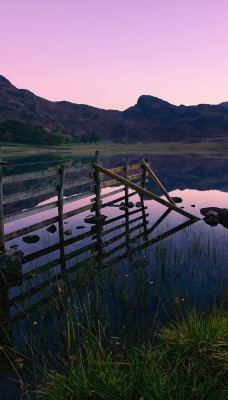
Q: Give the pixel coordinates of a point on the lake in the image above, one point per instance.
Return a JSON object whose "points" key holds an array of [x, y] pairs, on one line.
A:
{"points": [[138, 268]]}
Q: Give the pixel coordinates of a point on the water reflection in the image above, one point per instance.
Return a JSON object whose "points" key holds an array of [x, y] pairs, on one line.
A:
{"points": [[214, 216], [136, 265]]}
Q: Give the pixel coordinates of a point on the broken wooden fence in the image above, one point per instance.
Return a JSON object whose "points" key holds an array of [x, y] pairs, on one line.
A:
{"points": [[92, 183]]}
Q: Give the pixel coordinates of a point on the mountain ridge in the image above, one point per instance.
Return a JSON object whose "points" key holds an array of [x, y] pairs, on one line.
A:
{"points": [[150, 119]]}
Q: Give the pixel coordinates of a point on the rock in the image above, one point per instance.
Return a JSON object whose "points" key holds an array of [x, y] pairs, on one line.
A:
{"points": [[10, 267], [52, 228], [212, 221], [31, 239], [177, 199], [205, 211], [192, 205], [123, 206], [130, 204], [101, 218], [138, 204], [14, 253], [223, 217], [80, 227], [68, 232], [14, 246], [92, 219], [215, 215]]}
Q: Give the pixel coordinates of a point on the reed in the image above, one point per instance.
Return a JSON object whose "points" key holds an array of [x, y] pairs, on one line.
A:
{"points": [[142, 328], [187, 360]]}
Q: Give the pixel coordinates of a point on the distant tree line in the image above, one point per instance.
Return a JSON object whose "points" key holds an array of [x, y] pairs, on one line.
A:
{"points": [[92, 137], [20, 132]]}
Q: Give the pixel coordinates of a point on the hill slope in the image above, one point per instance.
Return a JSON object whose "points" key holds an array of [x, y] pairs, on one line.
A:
{"points": [[151, 119]]}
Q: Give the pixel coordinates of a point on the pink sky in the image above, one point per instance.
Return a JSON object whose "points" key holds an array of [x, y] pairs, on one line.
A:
{"points": [[107, 53]]}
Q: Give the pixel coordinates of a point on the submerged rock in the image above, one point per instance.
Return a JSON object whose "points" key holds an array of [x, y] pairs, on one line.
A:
{"points": [[223, 217], [14, 246], [52, 228], [31, 239], [177, 199], [92, 219], [215, 215], [68, 232], [210, 220]]}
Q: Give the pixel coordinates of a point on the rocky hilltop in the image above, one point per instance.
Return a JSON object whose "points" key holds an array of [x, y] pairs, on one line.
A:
{"points": [[150, 119]]}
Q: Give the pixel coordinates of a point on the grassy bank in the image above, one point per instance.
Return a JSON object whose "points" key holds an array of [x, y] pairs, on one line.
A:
{"points": [[204, 148], [144, 328], [185, 361]]}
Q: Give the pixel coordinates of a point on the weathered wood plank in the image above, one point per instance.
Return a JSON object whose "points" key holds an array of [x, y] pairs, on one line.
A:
{"points": [[76, 197], [103, 196], [145, 192], [43, 174], [45, 207], [42, 224], [29, 212], [29, 194], [77, 211], [54, 247], [119, 169], [77, 168], [78, 182], [121, 245], [159, 221], [158, 183], [115, 182], [112, 202], [120, 226], [29, 229], [30, 175], [115, 219], [60, 215]]}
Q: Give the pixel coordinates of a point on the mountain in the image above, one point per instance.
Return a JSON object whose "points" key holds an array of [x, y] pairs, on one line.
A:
{"points": [[150, 119], [224, 104]]}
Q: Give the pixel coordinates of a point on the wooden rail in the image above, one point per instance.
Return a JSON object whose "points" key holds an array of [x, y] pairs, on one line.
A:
{"points": [[143, 191], [105, 243], [93, 180]]}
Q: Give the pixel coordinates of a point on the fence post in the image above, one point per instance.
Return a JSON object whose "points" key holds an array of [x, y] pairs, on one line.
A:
{"points": [[60, 215], [97, 186], [2, 234], [142, 200], [126, 203]]}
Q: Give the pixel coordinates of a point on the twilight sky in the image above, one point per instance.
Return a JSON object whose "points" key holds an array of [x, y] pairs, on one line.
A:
{"points": [[106, 53]]}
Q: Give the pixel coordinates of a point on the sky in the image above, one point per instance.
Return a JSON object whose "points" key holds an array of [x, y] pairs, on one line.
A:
{"points": [[107, 53]]}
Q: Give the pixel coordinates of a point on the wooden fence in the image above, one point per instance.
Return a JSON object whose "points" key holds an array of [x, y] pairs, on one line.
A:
{"points": [[104, 244], [57, 265], [92, 183]]}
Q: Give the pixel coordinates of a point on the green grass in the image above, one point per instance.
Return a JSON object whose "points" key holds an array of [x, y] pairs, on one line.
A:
{"points": [[70, 353], [186, 361], [205, 148]]}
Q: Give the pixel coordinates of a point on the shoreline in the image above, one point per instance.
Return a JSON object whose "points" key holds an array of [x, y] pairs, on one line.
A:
{"points": [[204, 148]]}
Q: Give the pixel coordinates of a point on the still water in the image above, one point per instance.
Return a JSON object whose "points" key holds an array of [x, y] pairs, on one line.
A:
{"points": [[140, 267]]}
